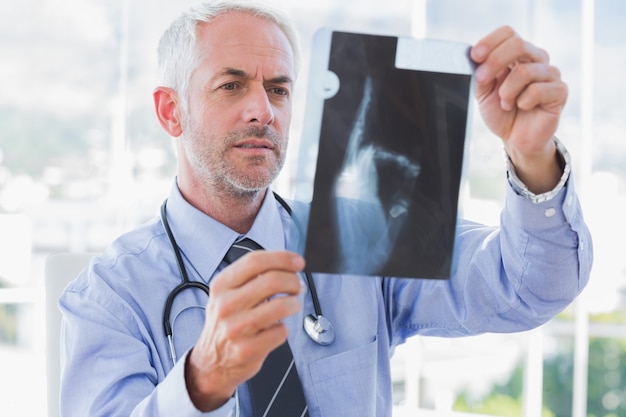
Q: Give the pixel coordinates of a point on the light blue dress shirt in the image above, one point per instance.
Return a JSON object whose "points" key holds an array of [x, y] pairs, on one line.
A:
{"points": [[116, 356]]}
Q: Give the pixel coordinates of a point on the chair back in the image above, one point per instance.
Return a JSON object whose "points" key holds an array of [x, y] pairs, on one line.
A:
{"points": [[60, 269]]}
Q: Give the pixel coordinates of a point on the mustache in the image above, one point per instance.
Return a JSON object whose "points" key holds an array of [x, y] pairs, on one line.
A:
{"points": [[260, 132]]}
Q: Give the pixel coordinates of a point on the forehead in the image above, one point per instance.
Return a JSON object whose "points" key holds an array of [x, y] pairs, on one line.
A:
{"points": [[241, 40]]}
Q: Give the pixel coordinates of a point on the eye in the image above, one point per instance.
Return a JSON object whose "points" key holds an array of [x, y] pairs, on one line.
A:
{"points": [[229, 86], [279, 91]]}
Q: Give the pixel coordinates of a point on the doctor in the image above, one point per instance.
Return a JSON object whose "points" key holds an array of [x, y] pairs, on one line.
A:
{"points": [[229, 69]]}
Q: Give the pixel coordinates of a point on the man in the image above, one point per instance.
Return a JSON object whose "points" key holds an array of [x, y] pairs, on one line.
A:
{"points": [[229, 69]]}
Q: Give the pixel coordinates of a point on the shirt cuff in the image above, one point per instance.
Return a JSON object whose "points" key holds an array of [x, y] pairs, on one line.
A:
{"points": [[521, 188], [174, 400]]}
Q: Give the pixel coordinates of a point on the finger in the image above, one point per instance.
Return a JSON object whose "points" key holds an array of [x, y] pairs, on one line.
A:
{"points": [[550, 97], [229, 361], [501, 50], [223, 333], [503, 36], [524, 86], [253, 264], [253, 350], [261, 318], [270, 284], [481, 50], [256, 291]]}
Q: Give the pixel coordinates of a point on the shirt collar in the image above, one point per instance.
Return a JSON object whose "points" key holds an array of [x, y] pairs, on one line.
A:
{"points": [[267, 224], [204, 241]]}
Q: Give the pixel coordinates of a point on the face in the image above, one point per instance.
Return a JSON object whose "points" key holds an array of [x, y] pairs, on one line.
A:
{"points": [[236, 130]]}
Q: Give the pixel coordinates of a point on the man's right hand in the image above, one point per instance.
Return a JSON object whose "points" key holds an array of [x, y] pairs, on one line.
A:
{"points": [[243, 324]]}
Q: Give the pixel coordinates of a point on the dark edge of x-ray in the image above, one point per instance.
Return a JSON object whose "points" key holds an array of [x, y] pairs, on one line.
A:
{"points": [[382, 157]]}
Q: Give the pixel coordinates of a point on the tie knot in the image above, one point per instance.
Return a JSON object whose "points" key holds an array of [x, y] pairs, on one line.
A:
{"points": [[240, 248]]}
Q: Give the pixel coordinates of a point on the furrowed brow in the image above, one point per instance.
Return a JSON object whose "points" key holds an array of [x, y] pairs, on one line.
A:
{"points": [[281, 79], [235, 72]]}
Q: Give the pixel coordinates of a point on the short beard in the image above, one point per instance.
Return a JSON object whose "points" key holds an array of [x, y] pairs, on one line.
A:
{"points": [[211, 166]]}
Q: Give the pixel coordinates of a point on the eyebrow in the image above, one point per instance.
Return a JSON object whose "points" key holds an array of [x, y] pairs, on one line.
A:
{"points": [[281, 79]]}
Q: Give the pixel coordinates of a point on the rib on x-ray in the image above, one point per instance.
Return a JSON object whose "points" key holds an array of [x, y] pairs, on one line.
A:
{"points": [[388, 170]]}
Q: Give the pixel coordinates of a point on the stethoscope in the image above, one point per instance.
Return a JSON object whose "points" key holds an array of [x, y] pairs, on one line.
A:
{"points": [[316, 326]]}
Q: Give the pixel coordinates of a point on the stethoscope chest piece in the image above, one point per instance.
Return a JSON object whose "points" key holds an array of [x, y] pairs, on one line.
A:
{"points": [[319, 329]]}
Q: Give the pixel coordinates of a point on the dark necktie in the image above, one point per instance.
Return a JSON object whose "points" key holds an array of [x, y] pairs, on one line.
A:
{"points": [[276, 390]]}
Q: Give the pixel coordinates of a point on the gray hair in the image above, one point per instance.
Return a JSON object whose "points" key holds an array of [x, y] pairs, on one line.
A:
{"points": [[178, 53]]}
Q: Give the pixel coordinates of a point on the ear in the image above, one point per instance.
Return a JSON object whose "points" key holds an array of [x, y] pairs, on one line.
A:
{"points": [[167, 106]]}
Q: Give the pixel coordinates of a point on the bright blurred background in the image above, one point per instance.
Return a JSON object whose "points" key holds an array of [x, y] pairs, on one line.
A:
{"points": [[83, 159]]}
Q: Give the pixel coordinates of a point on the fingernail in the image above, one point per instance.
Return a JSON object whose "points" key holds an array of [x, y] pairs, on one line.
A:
{"points": [[479, 52], [481, 74], [298, 262]]}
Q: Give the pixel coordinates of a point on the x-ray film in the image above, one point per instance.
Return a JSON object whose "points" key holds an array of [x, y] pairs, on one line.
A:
{"points": [[381, 160]]}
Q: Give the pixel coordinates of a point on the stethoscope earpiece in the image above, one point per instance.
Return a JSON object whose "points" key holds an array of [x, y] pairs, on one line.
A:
{"points": [[319, 329]]}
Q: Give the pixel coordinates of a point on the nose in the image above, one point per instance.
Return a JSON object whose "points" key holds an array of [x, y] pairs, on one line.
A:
{"points": [[258, 108]]}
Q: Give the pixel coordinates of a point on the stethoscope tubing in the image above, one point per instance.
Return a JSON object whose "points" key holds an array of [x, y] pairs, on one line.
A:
{"points": [[309, 278], [310, 323]]}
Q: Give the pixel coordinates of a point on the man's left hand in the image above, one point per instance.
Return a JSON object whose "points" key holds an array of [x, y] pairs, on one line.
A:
{"points": [[521, 96]]}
